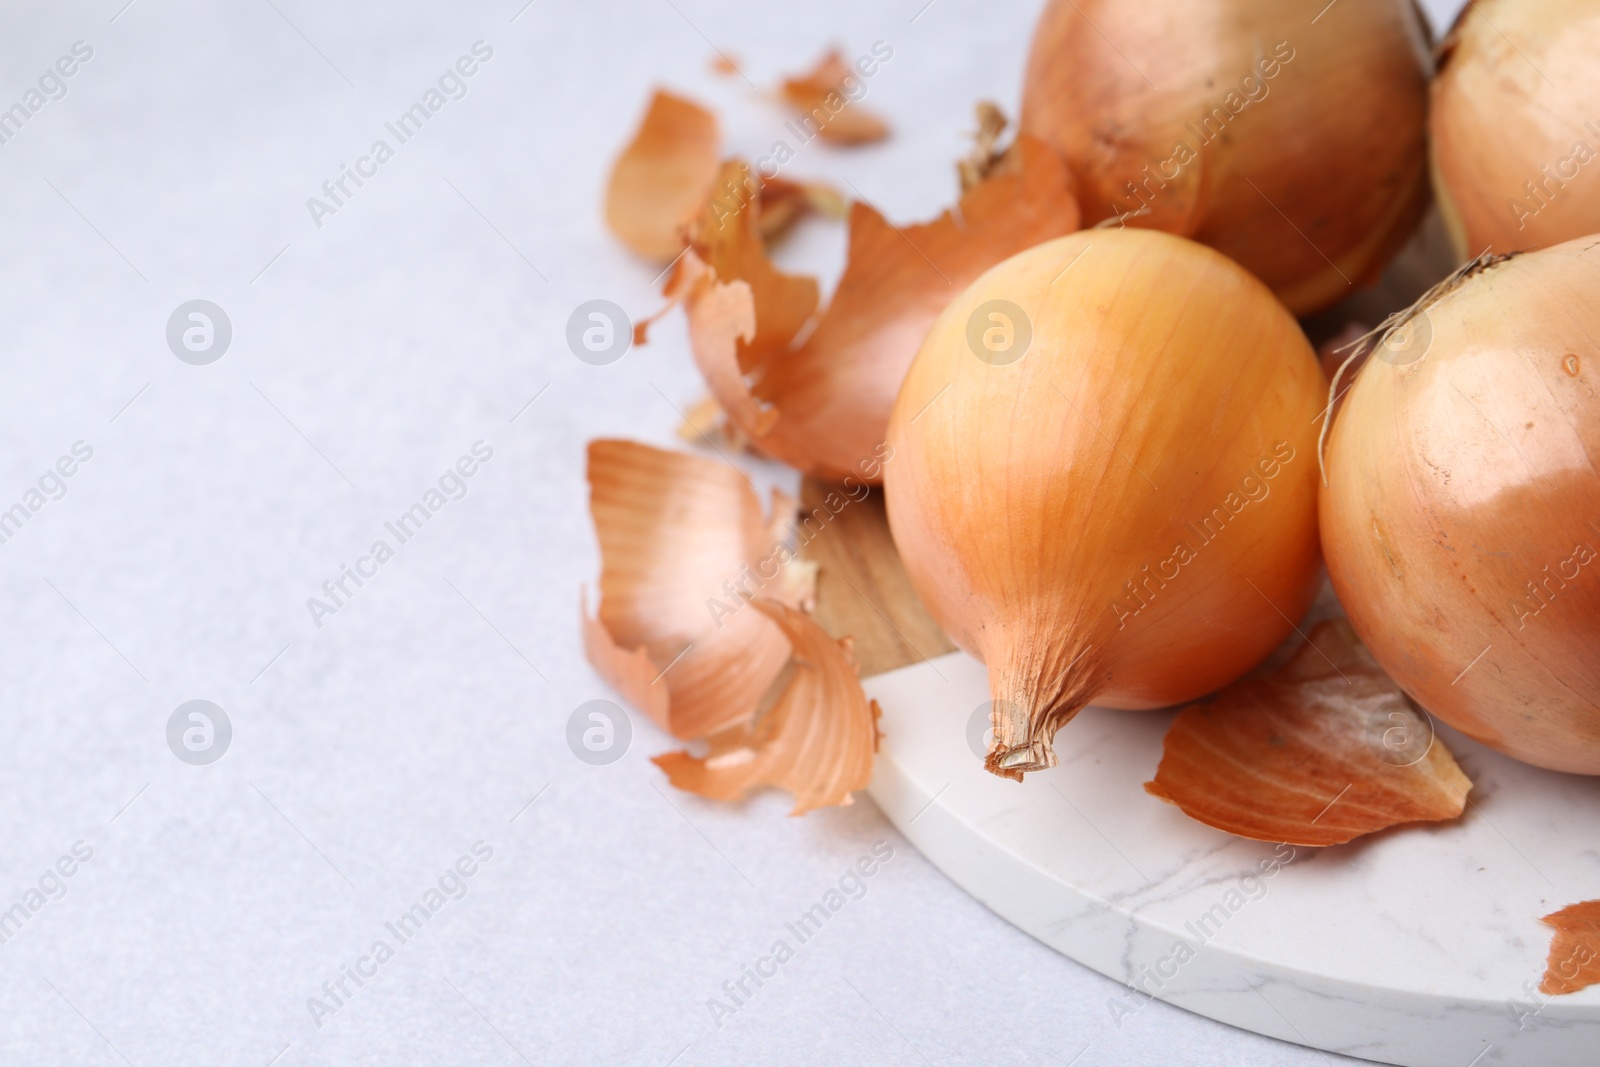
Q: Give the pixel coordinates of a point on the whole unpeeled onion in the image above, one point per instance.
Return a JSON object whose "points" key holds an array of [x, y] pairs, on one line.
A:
{"points": [[1516, 134], [1462, 512], [1103, 479], [1290, 140]]}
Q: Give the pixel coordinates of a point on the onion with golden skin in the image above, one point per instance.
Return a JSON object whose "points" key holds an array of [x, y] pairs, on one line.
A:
{"points": [[1295, 147], [1461, 516], [1125, 513], [1516, 134]]}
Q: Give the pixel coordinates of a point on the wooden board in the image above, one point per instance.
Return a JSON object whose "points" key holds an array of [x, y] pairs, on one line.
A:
{"points": [[862, 588]]}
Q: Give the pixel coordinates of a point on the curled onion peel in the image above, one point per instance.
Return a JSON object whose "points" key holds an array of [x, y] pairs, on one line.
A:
{"points": [[1515, 137], [1293, 145], [1461, 518], [674, 529], [1121, 510], [822, 404], [1321, 751], [663, 177], [817, 740]]}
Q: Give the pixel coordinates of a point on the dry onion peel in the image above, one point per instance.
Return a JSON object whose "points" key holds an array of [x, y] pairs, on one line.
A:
{"points": [[1515, 138], [1125, 513], [674, 530], [822, 96], [817, 741], [1249, 129], [823, 406], [1574, 962], [663, 177], [1461, 519], [1320, 752]]}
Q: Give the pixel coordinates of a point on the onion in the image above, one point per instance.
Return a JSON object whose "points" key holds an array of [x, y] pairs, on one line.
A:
{"points": [[1103, 480], [1462, 511], [1515, 133], [1293, 144]]}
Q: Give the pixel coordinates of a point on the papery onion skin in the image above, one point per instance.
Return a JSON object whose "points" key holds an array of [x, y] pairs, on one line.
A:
{"points": [[1312, 170], [1515, 134], [1029, 499], [1462, 512]]}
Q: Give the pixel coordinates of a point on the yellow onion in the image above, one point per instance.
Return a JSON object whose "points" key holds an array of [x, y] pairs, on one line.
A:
{"points": [[1290, 140], [1461, 516], [1103, 478], [1516, 135]]}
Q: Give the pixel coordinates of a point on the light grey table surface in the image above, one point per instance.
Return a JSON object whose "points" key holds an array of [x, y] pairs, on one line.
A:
{"points": [[371, 752]]}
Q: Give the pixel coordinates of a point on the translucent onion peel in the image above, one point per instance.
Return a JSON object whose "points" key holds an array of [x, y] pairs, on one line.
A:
{"points": [[823, 405], [1461, 518], [1574, 962], [1322, 751], [817, 741], [822, 97], [1248, 129], [674, 531], [1124, 512], [1515, 137], [663, 177]]}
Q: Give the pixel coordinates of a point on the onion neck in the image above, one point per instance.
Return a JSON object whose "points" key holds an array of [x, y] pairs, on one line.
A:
{"points": [[1036, 690]]}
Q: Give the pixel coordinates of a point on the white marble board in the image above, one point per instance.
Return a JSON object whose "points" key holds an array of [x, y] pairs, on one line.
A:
{"points": [[1418, 946]]}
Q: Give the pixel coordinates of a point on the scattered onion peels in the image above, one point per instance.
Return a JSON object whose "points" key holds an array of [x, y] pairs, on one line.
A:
{"points": [[674, 529], [823, 406], [822, 98], [1321, 751], [663, 177], [816, 741], [1574, 962]]}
